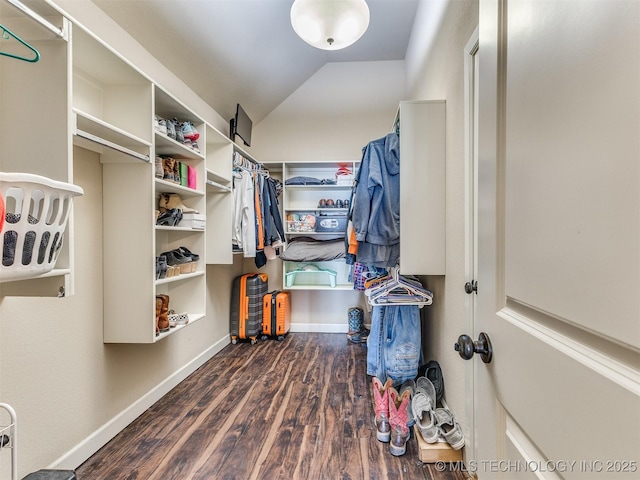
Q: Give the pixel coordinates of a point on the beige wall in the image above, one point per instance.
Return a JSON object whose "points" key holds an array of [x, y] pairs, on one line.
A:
{"points": [[331, 117], [435, 70], [72, 393]]}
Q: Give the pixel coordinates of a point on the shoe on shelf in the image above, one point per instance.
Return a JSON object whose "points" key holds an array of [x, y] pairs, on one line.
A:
{"points": [[179, 136], [171, 129], [423, 405], [449, 428], [170, 218], [162, 314], [173, 200], [176, 259], [381, 409], [161, 267], [160, 124], [188, 253]]}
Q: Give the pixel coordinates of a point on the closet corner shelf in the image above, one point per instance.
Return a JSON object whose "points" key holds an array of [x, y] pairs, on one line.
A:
{"points": [[162, 186], [168, 146], [193, 317], [179, 278]]}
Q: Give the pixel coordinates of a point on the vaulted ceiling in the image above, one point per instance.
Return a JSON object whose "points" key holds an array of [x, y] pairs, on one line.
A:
{"points": [[245, 51]]}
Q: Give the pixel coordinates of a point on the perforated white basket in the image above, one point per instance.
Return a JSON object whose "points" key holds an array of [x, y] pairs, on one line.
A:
{"points": [[37, 210]]}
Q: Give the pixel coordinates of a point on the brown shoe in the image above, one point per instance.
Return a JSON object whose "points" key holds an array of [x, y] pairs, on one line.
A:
{"points": [[162, 323]]}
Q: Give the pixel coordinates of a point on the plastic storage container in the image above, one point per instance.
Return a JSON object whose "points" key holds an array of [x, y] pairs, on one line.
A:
{"points": [[37, 210]]}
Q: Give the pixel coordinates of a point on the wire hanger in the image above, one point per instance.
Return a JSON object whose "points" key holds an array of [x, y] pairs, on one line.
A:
{"points": [[7, 35]]}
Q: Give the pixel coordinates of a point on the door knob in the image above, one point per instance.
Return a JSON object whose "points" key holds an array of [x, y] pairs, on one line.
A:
{"points": [[471, 287], [467, 347]]}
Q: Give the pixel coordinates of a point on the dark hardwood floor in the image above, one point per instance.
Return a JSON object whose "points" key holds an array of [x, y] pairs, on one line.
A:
{"points": [[296, 409]]}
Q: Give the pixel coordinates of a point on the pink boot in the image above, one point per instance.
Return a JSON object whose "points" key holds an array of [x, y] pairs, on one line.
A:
{"points": [[381, 408], [398, 419]]}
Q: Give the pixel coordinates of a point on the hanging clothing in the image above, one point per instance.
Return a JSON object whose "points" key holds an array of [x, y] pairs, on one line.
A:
{"points": [[244, 231], [394, 344], [376, 203], [257, 225]]}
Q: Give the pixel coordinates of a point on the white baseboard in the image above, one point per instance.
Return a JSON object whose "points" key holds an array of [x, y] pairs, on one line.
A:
{"points": [[90, 445], [319, 327]]}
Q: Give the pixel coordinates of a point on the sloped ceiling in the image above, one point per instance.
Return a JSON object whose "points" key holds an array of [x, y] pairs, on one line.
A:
{"points": [[245, 51]]}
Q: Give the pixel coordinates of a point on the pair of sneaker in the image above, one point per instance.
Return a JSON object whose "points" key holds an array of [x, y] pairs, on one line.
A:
{"points": [[391, 410], [434, 423]]}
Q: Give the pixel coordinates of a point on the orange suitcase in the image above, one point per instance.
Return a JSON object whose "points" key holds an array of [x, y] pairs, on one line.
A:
{"points": [[276, 314], [246, 306]]}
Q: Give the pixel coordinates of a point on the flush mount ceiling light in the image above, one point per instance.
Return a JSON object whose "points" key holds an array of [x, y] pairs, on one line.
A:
{"points": [[330, 24]]}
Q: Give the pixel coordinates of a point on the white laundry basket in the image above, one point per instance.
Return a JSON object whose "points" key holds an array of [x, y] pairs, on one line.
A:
{"points": [[37, 210]]}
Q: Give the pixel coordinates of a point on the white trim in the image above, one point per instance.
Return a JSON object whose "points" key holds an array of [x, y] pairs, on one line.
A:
{"points": [[319, 327], [87, 447], [600, 363], [471, 232]]}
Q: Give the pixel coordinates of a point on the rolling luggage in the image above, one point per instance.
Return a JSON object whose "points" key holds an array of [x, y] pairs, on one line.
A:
{"points": [[246, 306], [276, 314]]}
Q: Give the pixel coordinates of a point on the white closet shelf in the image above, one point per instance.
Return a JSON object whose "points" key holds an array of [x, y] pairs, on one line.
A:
{"points": [[96, 131], [193, 317], [168, 146], [178, 278], [162, 186]]}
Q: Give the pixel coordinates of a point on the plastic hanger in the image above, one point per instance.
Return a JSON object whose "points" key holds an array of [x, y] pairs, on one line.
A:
{"points": [[398, 290], [7, 35]]}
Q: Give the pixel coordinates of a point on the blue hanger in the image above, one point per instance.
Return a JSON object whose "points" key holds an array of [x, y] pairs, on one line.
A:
{"points": [[8, 34]]}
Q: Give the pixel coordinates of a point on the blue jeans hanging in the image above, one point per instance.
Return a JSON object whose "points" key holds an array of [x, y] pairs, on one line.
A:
{"points": [[394, 344]]}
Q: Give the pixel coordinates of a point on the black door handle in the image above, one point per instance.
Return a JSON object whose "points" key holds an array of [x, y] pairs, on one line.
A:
{"points": [[467, 347]]}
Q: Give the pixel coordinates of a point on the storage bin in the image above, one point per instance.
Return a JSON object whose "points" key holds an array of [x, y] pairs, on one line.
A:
{"points": [[301, 222], [331, 223], [37, 210], [196, 221]]}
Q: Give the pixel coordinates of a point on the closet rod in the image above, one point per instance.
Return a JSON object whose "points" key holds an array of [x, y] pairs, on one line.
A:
{"points": [[218, 185], [113, 146], [58, 32]]}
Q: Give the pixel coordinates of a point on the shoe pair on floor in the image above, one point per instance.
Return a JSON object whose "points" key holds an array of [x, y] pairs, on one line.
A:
{"points": [[391, 415]]}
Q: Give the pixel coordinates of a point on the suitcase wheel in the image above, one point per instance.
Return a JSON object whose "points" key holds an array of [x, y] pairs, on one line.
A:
{"points": [[264, 337], [254, 340], [280, 338], [234, 340]]}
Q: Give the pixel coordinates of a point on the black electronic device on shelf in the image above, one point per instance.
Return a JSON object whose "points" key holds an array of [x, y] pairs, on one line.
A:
{"points": [[241, 125]]}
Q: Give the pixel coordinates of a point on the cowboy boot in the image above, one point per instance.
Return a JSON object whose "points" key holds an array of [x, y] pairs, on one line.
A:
{"points": [[381, 409], [158, 310], [163, 317], [398, 419]]}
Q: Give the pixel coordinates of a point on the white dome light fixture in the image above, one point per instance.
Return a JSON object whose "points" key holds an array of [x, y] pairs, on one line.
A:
{"points": [[330, 24]]}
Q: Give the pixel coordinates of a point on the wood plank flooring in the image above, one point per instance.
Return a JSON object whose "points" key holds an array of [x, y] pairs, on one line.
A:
{"points": [[296, 409]]}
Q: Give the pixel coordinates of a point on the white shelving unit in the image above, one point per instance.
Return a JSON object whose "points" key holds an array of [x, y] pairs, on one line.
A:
{"points": [[35, 133], [305, 200]]}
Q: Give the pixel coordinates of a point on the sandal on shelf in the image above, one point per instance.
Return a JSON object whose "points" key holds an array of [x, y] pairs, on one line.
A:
{"points": [[170, 218], [449, 428], [187, 253]]}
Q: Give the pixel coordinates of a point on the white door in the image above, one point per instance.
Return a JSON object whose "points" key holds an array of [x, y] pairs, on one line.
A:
{"points": [[559, 240]]}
